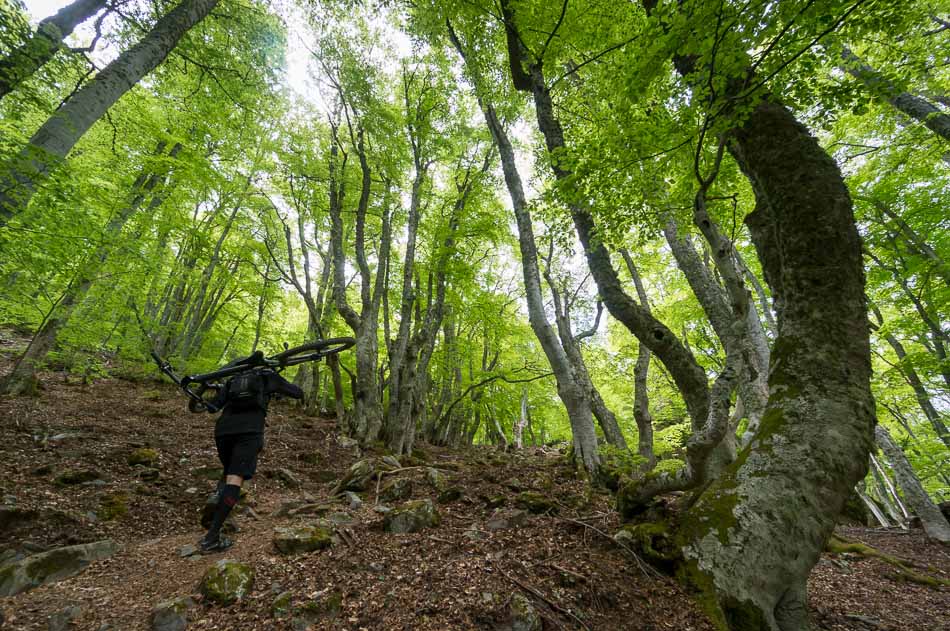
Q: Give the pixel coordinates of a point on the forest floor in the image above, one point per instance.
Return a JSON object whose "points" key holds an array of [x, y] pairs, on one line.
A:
{"points": [[458, 575]]}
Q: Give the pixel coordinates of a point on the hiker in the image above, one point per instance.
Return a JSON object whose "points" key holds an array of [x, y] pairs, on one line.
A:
{"points": [[239, 436]]}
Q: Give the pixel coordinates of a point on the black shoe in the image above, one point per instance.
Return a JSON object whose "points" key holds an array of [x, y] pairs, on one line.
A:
{"points": [[212, 545]]}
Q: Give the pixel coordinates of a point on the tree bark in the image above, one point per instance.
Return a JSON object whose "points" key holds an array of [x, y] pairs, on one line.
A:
{"points": [[880, 86], [933, 521], [52, 142], [26, 59], [641, 370]]}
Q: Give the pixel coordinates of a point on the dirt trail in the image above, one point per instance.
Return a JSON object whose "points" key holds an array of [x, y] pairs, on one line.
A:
{"points": [[458, 575]]}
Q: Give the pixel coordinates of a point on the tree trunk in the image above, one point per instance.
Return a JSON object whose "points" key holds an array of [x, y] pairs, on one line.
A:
{"points": [[916, 107], [26, 59], [22, 379], [641, 398], [53, 141], [933, 521], [755, 534]]}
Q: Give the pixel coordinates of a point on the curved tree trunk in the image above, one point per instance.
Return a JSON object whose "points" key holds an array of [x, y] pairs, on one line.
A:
{"points": [[755, 533], [53, 141], [26, 59]]}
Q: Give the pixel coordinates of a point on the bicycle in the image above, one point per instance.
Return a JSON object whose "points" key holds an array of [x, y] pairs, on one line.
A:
{"points": [[196, 386]]}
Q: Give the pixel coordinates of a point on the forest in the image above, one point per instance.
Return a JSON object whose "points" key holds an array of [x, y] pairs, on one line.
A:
{"points": [[692, 256]]}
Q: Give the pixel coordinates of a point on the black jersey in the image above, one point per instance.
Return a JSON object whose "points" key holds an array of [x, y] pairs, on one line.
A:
{"points": [[250, 420]]}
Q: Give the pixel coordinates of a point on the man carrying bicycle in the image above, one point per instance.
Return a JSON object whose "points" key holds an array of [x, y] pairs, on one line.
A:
{"points": [[239, 436], [243, 401]]}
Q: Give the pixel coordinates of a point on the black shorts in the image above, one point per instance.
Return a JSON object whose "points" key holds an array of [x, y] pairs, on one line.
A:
{"points": [[238, 453]]}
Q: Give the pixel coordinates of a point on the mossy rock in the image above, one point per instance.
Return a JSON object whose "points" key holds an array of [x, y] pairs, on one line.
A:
{"points": [[324, 476], [281, 607], [227, 581], [113, 507], [148, 474], [535, 503], [412, 517], [326, 607], [303, 538], [358, 477], [73, 476], [172, 615], [396, 490], [52, 566], [524, 617], [436, 479], [495, 501], [143, 457]]}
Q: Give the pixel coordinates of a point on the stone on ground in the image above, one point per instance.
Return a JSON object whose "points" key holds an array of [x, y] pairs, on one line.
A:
{"points": [[324, 606], [449, 495], [436, 479], [227, 581], [61, 620], [535, 503], [303, 538], [358, 477], [71, 477], [354, 500], [52, 566], [412, 517], [280, 608], [524, 617], [288, 478], [143, 456], [396, 490], [506, 519], [172, 615]]}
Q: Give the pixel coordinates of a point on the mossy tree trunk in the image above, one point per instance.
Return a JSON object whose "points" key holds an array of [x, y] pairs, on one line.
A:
{"points": [[753, 536]]}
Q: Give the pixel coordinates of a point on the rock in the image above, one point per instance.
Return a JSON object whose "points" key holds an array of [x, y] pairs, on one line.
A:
{"points": [[382, 509], [341, 519], [61, 620], [325, 606], [353, 499], [288, 478], [449, 495], [514, 484], [227, 581], [187, 550], [535, 503], [149, 474], [303, 538], [625, 538], [358, 477], [495, 501], [70, 477], [143, 457], [12, 517], [191, 490], [436, 479], [391, 462], [506, 519], [52, 566], [113, 506], [524, 617], [171, 615], [42, 470], [346, 442], [412, 517], [95, 483], [396, 490], [280, 608]]}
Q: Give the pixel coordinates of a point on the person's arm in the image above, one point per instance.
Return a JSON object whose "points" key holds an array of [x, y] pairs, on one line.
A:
{"points": [[279, 385]]}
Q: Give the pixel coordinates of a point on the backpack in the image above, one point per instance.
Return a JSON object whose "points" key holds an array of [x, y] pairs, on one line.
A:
{"points": [[247, 391]]}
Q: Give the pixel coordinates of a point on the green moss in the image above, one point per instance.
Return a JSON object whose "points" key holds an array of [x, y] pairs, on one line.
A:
{"points": [[280, 608], [113, 506], [226, 582], [71, 477], [535, 503], [655, 541]]}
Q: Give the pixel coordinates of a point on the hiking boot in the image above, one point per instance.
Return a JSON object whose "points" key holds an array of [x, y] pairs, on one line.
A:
{"points": [[212, 545]]}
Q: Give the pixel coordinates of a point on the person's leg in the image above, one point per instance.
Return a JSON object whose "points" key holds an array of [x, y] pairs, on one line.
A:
{"points": [[241, 465]]}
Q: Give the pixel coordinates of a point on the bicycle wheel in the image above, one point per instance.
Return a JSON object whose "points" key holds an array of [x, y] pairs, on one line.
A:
{"points": [[314, 350]]}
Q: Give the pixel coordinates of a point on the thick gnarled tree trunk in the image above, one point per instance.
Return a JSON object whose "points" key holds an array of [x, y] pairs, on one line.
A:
{"points": [[754, 535]]}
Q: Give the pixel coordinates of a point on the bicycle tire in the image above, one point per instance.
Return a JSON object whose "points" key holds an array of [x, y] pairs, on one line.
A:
{"points": [[316, 350]]}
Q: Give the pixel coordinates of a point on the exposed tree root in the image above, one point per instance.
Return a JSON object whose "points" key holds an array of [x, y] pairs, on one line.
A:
{"points": [[839, 545]]}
